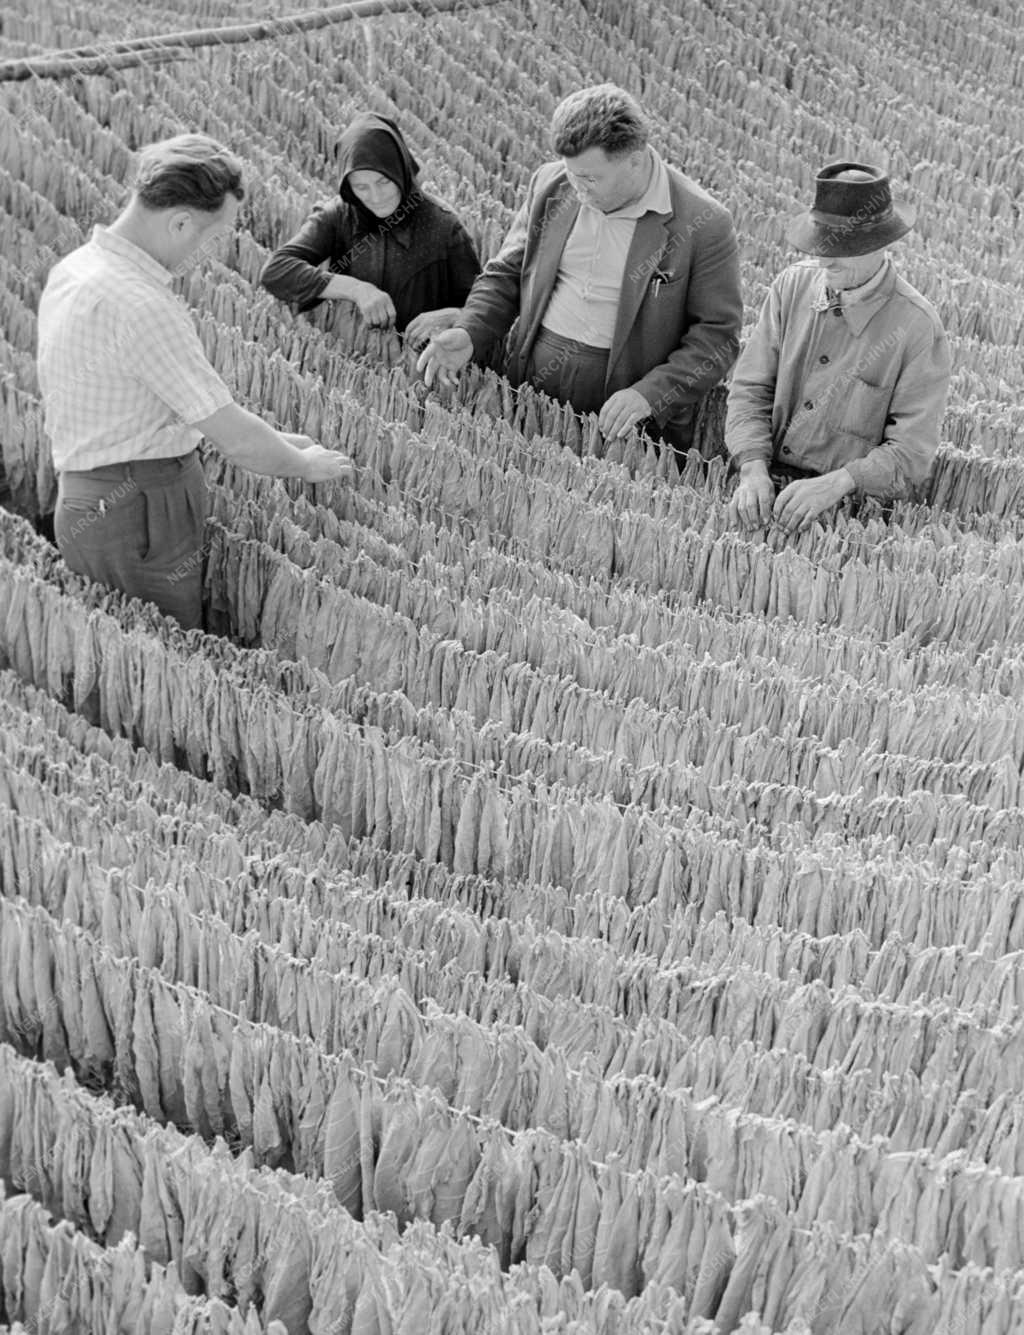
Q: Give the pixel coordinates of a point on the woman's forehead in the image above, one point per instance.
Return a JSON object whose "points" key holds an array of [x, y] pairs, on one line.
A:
{"points": [[368, 176]]}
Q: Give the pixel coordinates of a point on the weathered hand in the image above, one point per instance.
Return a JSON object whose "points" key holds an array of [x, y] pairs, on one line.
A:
{"points": [[427, 323], [375, 306], [622, 410], [751, 505], [445, 356], [798, 505]]}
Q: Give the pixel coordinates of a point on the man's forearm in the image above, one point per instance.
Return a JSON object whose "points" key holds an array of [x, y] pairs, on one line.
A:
{"points": [[685, 378], [489, 311], [749, 452], [878, 473], [246, 439], [748, 433], [753, 467], [492, 305], [748, 421]]}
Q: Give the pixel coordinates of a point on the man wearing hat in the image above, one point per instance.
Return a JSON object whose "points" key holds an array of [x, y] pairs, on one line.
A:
{"points": [[842, 386]]}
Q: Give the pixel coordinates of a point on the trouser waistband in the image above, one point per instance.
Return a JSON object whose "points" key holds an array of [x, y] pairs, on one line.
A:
{"points": [[789, 473], [136, 470], [571, 345]]}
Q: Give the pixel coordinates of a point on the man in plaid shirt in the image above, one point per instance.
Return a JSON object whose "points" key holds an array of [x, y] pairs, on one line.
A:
{"points": [[128, 391]]}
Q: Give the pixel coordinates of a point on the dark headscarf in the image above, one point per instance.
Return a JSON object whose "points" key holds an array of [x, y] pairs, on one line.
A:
{"points": [[374, 143]]}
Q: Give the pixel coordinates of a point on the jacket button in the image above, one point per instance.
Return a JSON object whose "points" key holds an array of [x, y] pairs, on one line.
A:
{"points": [[808, 404], [836, 311], [823, 359], [786, 450]]}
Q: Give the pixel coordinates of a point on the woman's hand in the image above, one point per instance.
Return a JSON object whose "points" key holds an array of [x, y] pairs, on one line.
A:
{"points": [[375, 306], [428, 323]]}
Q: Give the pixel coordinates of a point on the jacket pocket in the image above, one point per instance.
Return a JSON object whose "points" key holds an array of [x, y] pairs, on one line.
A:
{"points": [[860, 409], [661, 284]]}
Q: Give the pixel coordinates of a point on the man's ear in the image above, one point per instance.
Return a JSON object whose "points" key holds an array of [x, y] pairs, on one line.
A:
{"points": [[179, 221]]}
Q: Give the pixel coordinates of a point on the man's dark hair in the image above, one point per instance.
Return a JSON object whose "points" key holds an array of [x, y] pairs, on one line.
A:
{"points": [[189, 171], [604, 116]]}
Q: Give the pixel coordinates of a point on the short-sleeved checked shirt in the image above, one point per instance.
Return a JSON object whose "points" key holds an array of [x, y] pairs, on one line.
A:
{"points": [[121, 368]]}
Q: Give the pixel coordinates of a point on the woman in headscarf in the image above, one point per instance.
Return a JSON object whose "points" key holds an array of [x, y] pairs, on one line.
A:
{"points": [[400, 255]]}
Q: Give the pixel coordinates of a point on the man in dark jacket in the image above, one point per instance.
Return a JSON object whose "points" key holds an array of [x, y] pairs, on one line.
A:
{"points": [[619, 280]]}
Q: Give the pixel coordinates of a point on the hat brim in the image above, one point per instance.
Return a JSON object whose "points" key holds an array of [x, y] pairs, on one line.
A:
{"points": [[840, 239]]}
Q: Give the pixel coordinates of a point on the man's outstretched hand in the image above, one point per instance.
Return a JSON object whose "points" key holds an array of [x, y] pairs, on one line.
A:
{"points": [[322, 465], [428, 324], [444, 356]]}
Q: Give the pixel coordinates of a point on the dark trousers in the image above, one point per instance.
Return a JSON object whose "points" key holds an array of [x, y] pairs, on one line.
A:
{"points": [[575, 373], [568, 371], [138, 527], [783, 474]]}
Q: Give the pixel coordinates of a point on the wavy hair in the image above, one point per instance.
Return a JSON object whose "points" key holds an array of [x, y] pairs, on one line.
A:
{"points": [[187, 171], [604, 116]]}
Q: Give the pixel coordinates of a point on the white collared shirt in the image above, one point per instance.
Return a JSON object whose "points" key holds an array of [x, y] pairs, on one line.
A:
{"points": [[585, 299], [121, 368]]}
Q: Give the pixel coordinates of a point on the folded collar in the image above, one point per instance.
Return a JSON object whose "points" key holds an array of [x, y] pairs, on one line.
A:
{"points": [[860, 304], [657, 198], [114, 244]]}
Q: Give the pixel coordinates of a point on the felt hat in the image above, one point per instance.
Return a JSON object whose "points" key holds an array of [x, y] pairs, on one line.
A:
{"points": [[853, 213]]}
